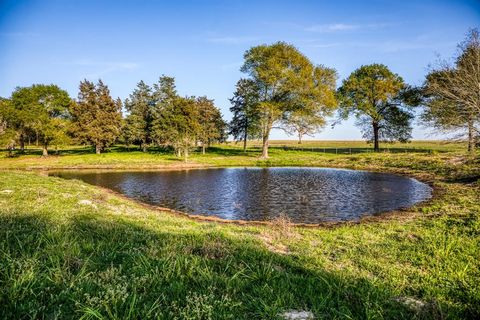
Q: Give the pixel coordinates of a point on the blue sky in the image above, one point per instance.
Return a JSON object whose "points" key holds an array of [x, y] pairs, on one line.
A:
{"points": [[201, 43]]}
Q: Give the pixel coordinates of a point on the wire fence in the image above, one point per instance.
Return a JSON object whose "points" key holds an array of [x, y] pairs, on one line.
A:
{"points": [[340, 150]]}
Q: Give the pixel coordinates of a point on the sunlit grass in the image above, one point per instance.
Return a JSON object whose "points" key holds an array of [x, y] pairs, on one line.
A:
{"points": [[109, 258]]}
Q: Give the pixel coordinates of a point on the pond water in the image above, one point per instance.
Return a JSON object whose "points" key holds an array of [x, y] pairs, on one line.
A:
{"points": [[305, 195]]}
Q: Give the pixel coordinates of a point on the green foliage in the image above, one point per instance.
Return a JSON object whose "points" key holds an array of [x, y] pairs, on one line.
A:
{"points": [[8, 134], [381, 102], [212, 126], [138, 124], [287, 82], [179, 122], [175, 122], [96, 116], [245, 123], [42, 110]]}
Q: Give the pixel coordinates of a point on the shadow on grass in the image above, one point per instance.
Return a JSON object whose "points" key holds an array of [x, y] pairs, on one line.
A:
{"points": [[98, 268]]}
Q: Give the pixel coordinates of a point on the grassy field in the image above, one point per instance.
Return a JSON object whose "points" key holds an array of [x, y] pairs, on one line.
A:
{"points": [[71, 250]]}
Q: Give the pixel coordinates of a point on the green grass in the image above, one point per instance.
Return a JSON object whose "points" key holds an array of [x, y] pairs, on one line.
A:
{"points": [[116, 259]]}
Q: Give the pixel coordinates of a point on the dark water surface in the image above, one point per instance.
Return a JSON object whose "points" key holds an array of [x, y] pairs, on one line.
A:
{"points": [[306, 195]]}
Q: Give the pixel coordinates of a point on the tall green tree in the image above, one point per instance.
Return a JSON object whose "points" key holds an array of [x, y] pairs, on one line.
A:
{"points": [[44, 110], [140, 106], [175, 119], [245, 123], [96, 116], [452, 92], [287, 83], [178, 126], [212, 125], [381, 102]]}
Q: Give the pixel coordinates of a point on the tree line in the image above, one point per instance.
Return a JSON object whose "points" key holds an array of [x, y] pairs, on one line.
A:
{"points": [[46, 115], [282, 89]]}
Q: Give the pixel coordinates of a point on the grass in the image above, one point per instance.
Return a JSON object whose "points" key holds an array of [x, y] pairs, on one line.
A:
{"points": [[111, 258]]}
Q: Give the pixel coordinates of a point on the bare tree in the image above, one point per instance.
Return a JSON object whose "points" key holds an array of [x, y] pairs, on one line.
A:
{"points": [[452, 91]]}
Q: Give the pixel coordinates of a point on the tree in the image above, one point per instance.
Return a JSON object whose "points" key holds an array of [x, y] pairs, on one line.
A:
{"points": [[310, 120], [96, 116], [178, 125], [212, 126], [245, 122], [139, 121], [8, 134], [452, 92], [287, 83], [381, 102], [164, 95], [42, 109], [302, 124], [175, 119]]}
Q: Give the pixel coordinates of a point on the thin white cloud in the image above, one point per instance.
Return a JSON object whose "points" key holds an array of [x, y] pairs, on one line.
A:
{"points": [[327, 28], [232, 40], [385, 46], [341, 27]]}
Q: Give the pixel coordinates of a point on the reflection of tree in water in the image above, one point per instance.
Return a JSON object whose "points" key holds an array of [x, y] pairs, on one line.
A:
{"points": [[303, 194]]}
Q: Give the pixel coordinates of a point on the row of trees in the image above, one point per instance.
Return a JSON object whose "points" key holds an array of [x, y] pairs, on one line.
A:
{"points": [[158, 115], [283, 89], [155, 115]]}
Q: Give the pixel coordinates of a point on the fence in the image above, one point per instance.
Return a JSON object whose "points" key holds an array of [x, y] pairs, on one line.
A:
{"points": [[346, 150]]}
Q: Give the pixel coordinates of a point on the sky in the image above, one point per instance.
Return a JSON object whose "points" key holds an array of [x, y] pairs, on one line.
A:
{"points": [[201, 43]]}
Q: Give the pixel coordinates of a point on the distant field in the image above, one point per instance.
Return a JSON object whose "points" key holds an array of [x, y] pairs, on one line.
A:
{"points": [[439, 145]]}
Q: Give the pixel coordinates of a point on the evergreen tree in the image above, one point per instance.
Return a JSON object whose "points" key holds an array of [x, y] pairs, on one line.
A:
{"points": [[245, 123], [139, 120], [212, 126], [177, 125], [96, 116]]}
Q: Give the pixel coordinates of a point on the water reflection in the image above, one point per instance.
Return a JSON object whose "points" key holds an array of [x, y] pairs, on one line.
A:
{"points": [[308, 195]]}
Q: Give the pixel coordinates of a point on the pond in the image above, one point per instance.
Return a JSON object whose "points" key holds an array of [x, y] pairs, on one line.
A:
{"points": [[305, 195]]}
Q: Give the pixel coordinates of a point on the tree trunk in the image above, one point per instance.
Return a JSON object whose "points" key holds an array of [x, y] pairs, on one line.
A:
{"points": [[471, 138], [376, 147], [185, 154], [299, 138], [98, 149], [203, 147], [245, 136], [22, 143], [44, 150], [144, 147], [265, 146]]}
